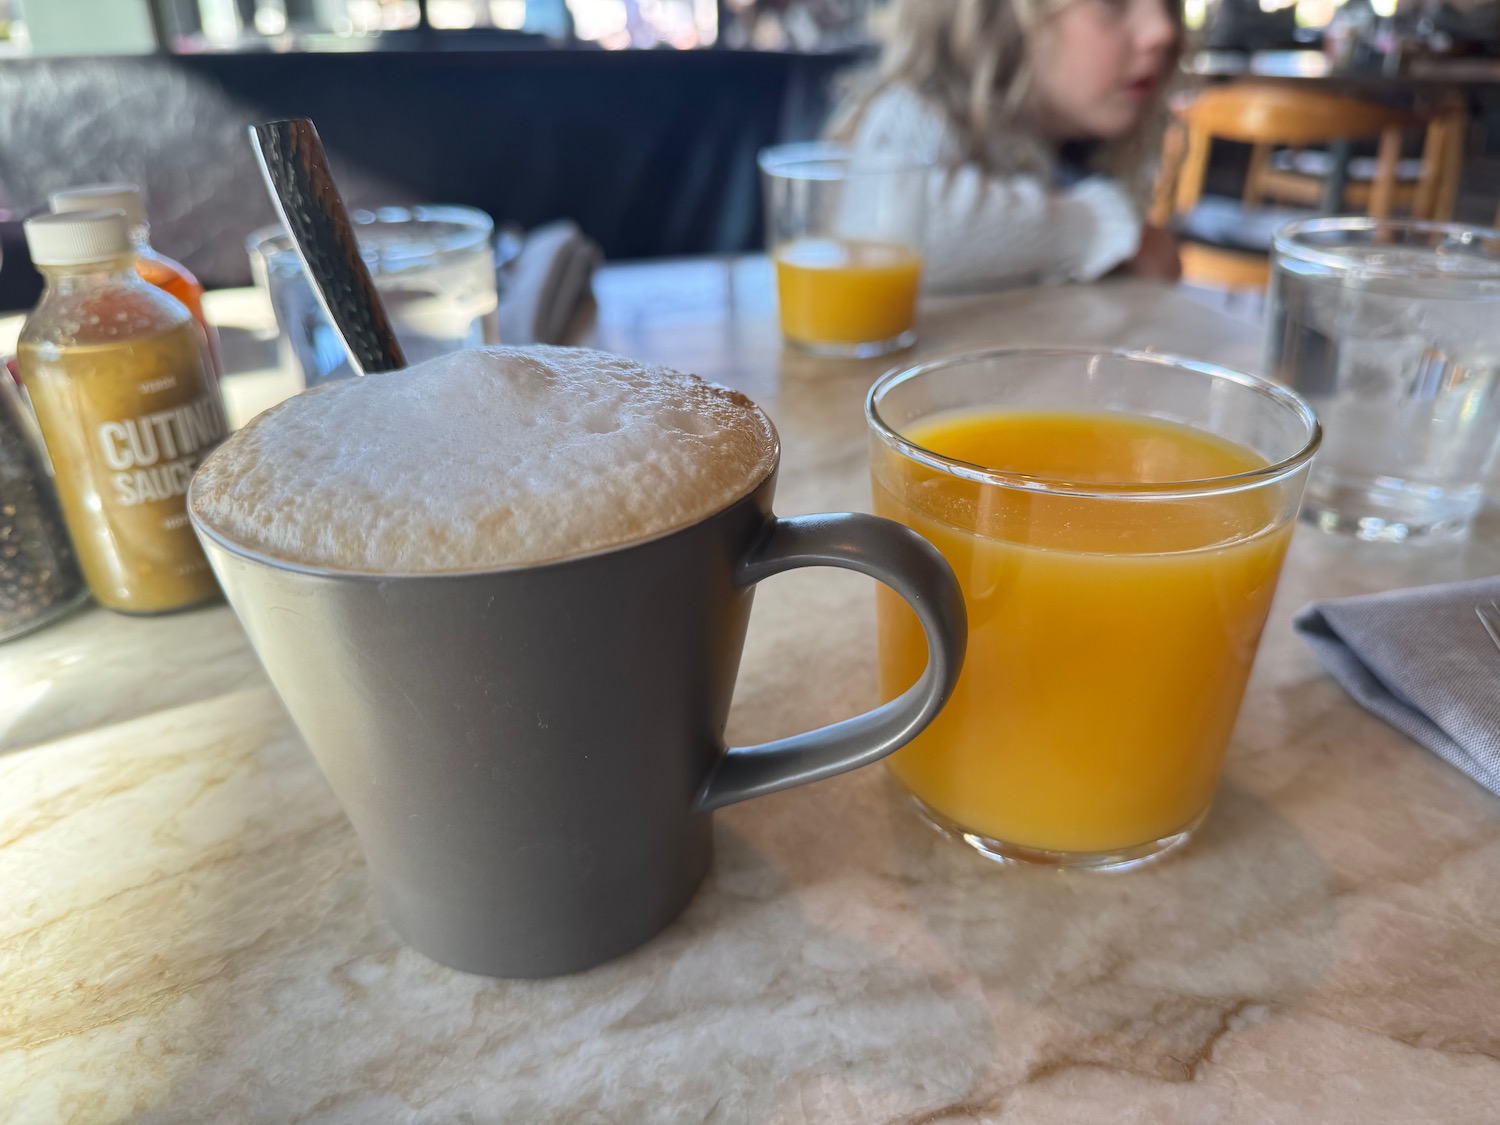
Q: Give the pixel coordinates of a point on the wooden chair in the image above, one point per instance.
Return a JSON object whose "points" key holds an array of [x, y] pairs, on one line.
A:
{"points": [[1424, 189], [1263, 115]]}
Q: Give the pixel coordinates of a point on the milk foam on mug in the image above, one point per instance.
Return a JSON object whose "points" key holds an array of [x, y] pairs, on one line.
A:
{"points": [[503, 596], [505, 457]]}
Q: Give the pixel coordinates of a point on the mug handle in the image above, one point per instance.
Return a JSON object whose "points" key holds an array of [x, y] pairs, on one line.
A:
{"points": [[890, 553]]}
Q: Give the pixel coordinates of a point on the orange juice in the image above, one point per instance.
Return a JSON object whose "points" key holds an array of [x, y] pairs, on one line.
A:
{"points": [[836, 292], [1109, 639]]}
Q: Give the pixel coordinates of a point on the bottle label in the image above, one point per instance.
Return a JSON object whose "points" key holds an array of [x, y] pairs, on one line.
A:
{"points": [[153, 455], [126, 421]]}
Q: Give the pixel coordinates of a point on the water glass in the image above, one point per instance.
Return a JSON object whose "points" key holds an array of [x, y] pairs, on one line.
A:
{"points": [[845, 233], [434, 268], [1392, 330]]}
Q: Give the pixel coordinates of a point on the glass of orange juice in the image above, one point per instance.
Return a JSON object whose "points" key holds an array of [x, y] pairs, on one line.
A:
{"points": [[845, 234], [1117, 521]]}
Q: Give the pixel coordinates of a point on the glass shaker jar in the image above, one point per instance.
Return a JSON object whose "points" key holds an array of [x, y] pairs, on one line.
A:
{"points": [[39, 576]]}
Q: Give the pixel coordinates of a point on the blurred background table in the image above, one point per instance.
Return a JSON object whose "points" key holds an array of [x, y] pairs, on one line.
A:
{"points": [[188, 932], [1314, 65]]}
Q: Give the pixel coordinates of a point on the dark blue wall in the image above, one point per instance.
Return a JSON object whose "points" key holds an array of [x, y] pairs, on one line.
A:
{"points": [[651, 152]]}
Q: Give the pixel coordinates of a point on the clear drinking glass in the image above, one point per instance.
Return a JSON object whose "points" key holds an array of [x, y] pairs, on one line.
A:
{"points": [[1392, 330], [845, 234], [1117, 521], [434, 268]]}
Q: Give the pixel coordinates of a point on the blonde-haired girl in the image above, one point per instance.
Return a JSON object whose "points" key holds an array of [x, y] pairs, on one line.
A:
{"points": [[1038, 116]]}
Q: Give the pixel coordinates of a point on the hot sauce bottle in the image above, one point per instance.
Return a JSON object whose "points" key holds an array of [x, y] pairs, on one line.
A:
{"points": [[160, 270], [127, 405]]}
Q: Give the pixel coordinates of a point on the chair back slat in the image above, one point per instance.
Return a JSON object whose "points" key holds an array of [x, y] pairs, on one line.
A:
{"points": [[1268, 116]]}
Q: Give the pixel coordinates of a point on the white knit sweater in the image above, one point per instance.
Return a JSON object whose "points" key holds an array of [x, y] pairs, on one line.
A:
{"points": [[988, 229]]}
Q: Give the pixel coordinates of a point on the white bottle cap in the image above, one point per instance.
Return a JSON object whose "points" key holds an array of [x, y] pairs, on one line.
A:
{"points": [[102, 197], [78, 237]]}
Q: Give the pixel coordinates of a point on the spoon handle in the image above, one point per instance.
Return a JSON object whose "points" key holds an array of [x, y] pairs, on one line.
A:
{"points": [[296, 170]]}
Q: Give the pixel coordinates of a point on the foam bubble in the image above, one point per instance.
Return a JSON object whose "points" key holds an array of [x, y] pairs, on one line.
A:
{"points": [[487, 458]]}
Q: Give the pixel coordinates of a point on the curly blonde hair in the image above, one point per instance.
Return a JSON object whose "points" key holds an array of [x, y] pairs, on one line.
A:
{"points": [[972, 60]]}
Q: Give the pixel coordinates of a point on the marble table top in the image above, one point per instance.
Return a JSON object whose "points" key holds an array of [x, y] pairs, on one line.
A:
{"points": [[187, 932]]}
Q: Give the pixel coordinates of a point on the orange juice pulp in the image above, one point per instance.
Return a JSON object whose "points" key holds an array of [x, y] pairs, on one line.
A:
{"points": [[1109, 640], [835, 291]]}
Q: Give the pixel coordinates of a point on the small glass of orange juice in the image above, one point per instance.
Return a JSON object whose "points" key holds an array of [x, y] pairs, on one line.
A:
{"points": [[845, 234], [1117, 521]]}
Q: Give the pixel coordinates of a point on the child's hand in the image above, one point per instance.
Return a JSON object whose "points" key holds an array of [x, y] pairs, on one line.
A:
{"points": [[1156, 258]]}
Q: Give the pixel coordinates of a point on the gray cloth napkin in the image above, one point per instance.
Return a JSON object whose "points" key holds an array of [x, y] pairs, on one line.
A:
{"points": [[542, 289], [1421, 660]]}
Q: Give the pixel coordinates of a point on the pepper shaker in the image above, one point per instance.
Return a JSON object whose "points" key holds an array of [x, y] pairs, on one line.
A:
{"points": [[39, 576]]}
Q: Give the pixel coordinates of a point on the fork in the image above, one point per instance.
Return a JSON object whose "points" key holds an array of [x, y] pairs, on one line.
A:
{"points": [[1489, 617]]}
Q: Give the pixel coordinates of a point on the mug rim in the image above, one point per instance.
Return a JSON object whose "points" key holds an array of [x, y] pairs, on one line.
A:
{"points": [[1284, 397], [316, 570]]}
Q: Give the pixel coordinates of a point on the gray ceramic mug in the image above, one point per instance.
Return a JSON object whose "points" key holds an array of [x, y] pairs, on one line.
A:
{"points": [[530, 755]]}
